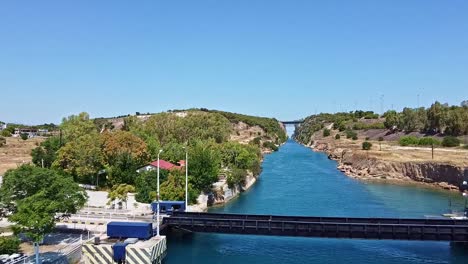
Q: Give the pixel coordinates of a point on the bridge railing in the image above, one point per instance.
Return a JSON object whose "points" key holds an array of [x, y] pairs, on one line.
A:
{"points": [[456, 233], [362, 220]]}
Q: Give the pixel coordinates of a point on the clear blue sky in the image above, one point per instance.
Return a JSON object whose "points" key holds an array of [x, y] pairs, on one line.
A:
{"points": [[285, 59]]}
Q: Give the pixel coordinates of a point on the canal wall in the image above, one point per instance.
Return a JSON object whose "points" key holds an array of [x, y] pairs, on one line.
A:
{"points": [[360, 166]]}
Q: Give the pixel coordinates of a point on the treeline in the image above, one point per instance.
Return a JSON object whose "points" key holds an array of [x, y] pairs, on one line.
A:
{"points": [[437, 119], [10, 129], [342, 121], [270, 125], [110, 159]]}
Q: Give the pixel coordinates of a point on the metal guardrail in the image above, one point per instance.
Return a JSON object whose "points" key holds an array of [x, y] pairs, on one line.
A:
{"points": [[317, 219], [363, 228]]}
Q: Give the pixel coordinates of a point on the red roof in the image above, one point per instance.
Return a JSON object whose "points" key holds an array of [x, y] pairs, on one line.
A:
{"points": [[165, 165]]}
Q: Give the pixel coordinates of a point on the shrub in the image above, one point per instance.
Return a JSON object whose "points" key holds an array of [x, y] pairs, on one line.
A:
{"points": [[5, 133], [450, 141], [236, 178], [355, 137], [366, 145], [408, 140], [337, 136], [367, 138], [326, 132], [381, 138], [24, 136], [351, 134], [256, 141], [9, 245], [428, 141], [2, 141], [270, 145]]}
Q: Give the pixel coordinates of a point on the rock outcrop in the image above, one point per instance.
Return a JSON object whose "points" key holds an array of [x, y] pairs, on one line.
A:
{"points": [[360, 166]]}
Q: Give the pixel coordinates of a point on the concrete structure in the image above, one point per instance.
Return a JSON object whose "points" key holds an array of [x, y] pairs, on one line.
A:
{"points": [[142, 252]]}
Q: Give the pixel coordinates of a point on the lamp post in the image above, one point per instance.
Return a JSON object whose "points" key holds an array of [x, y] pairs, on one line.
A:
{"points": [[186, 178], [157, 196], [465, 195]]}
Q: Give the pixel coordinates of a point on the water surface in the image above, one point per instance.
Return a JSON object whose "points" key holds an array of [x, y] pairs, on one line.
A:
{"points": [[297, 181]]}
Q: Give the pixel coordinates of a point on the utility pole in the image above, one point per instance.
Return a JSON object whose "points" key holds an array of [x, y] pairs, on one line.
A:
{"points": [[157, 196], [186, 178], [432, 147]]}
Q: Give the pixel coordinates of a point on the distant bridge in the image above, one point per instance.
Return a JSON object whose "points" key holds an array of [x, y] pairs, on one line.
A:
{"points": [[296, 122], [329, 227]]}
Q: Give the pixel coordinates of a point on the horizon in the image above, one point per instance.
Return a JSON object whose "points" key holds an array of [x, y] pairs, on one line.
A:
{"points": [[277, 59]]}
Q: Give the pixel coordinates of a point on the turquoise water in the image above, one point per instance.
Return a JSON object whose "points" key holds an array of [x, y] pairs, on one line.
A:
{"points": [[297, 181]]}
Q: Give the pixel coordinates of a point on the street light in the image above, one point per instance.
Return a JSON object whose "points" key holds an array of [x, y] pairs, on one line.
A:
{"points": [[186, 178], [157, 196]]}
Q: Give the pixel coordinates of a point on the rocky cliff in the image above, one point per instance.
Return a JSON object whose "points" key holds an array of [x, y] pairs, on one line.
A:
{"points": [[359, 165]]}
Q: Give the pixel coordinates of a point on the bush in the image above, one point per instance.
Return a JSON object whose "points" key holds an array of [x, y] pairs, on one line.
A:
{"points": [[428, 141], [381, 138], [351, 134], [270, 145], [2, 141], [450, 141], [9, 245], [337, 136], [366, 145], [24, 136], [236, 178], [408, 140], [355, 137], [367, 138], [5, 133], [326, 132], [256, 141]]}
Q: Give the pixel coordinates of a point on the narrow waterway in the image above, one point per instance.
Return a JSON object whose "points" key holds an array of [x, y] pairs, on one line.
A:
{"points": [[298, 181]]}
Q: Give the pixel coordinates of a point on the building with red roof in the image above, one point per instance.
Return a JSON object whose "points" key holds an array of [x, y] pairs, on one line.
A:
{"points": [[163, 165]]}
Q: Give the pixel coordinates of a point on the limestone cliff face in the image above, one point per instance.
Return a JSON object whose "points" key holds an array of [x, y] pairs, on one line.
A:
{"points": [[358, 165]]}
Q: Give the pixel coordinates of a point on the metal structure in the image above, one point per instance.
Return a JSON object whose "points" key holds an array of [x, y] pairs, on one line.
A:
{"points": [[295, 122], [330, 227]]}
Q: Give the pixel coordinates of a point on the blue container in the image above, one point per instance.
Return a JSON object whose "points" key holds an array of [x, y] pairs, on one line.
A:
{"points": [[138, 230], [119, 251], [167, 207]]}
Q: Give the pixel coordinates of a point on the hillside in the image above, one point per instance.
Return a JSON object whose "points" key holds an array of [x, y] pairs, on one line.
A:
{"points": [[342, 135], [16, 152]]}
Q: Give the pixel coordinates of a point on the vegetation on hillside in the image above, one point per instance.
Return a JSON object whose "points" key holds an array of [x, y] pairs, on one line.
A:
{"points": [[438, 119], [93, 152], [270, 125]]}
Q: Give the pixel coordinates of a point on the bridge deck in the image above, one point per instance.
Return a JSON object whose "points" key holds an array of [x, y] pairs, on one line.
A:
{"points": [[331, 227]]}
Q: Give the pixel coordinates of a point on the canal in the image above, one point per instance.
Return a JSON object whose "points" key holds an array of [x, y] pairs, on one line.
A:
{"points": [[298, 181]]}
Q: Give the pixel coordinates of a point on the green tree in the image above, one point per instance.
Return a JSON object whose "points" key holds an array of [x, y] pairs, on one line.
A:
{"points": [[436, 117], [9, 245], [204, 165], [46, 152], [76, 126], [173, 189], [236, 178], [82, 158], [146, 185], [5, 133], [326, 132], [34, 197], [392, 119], [120, 193]]}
